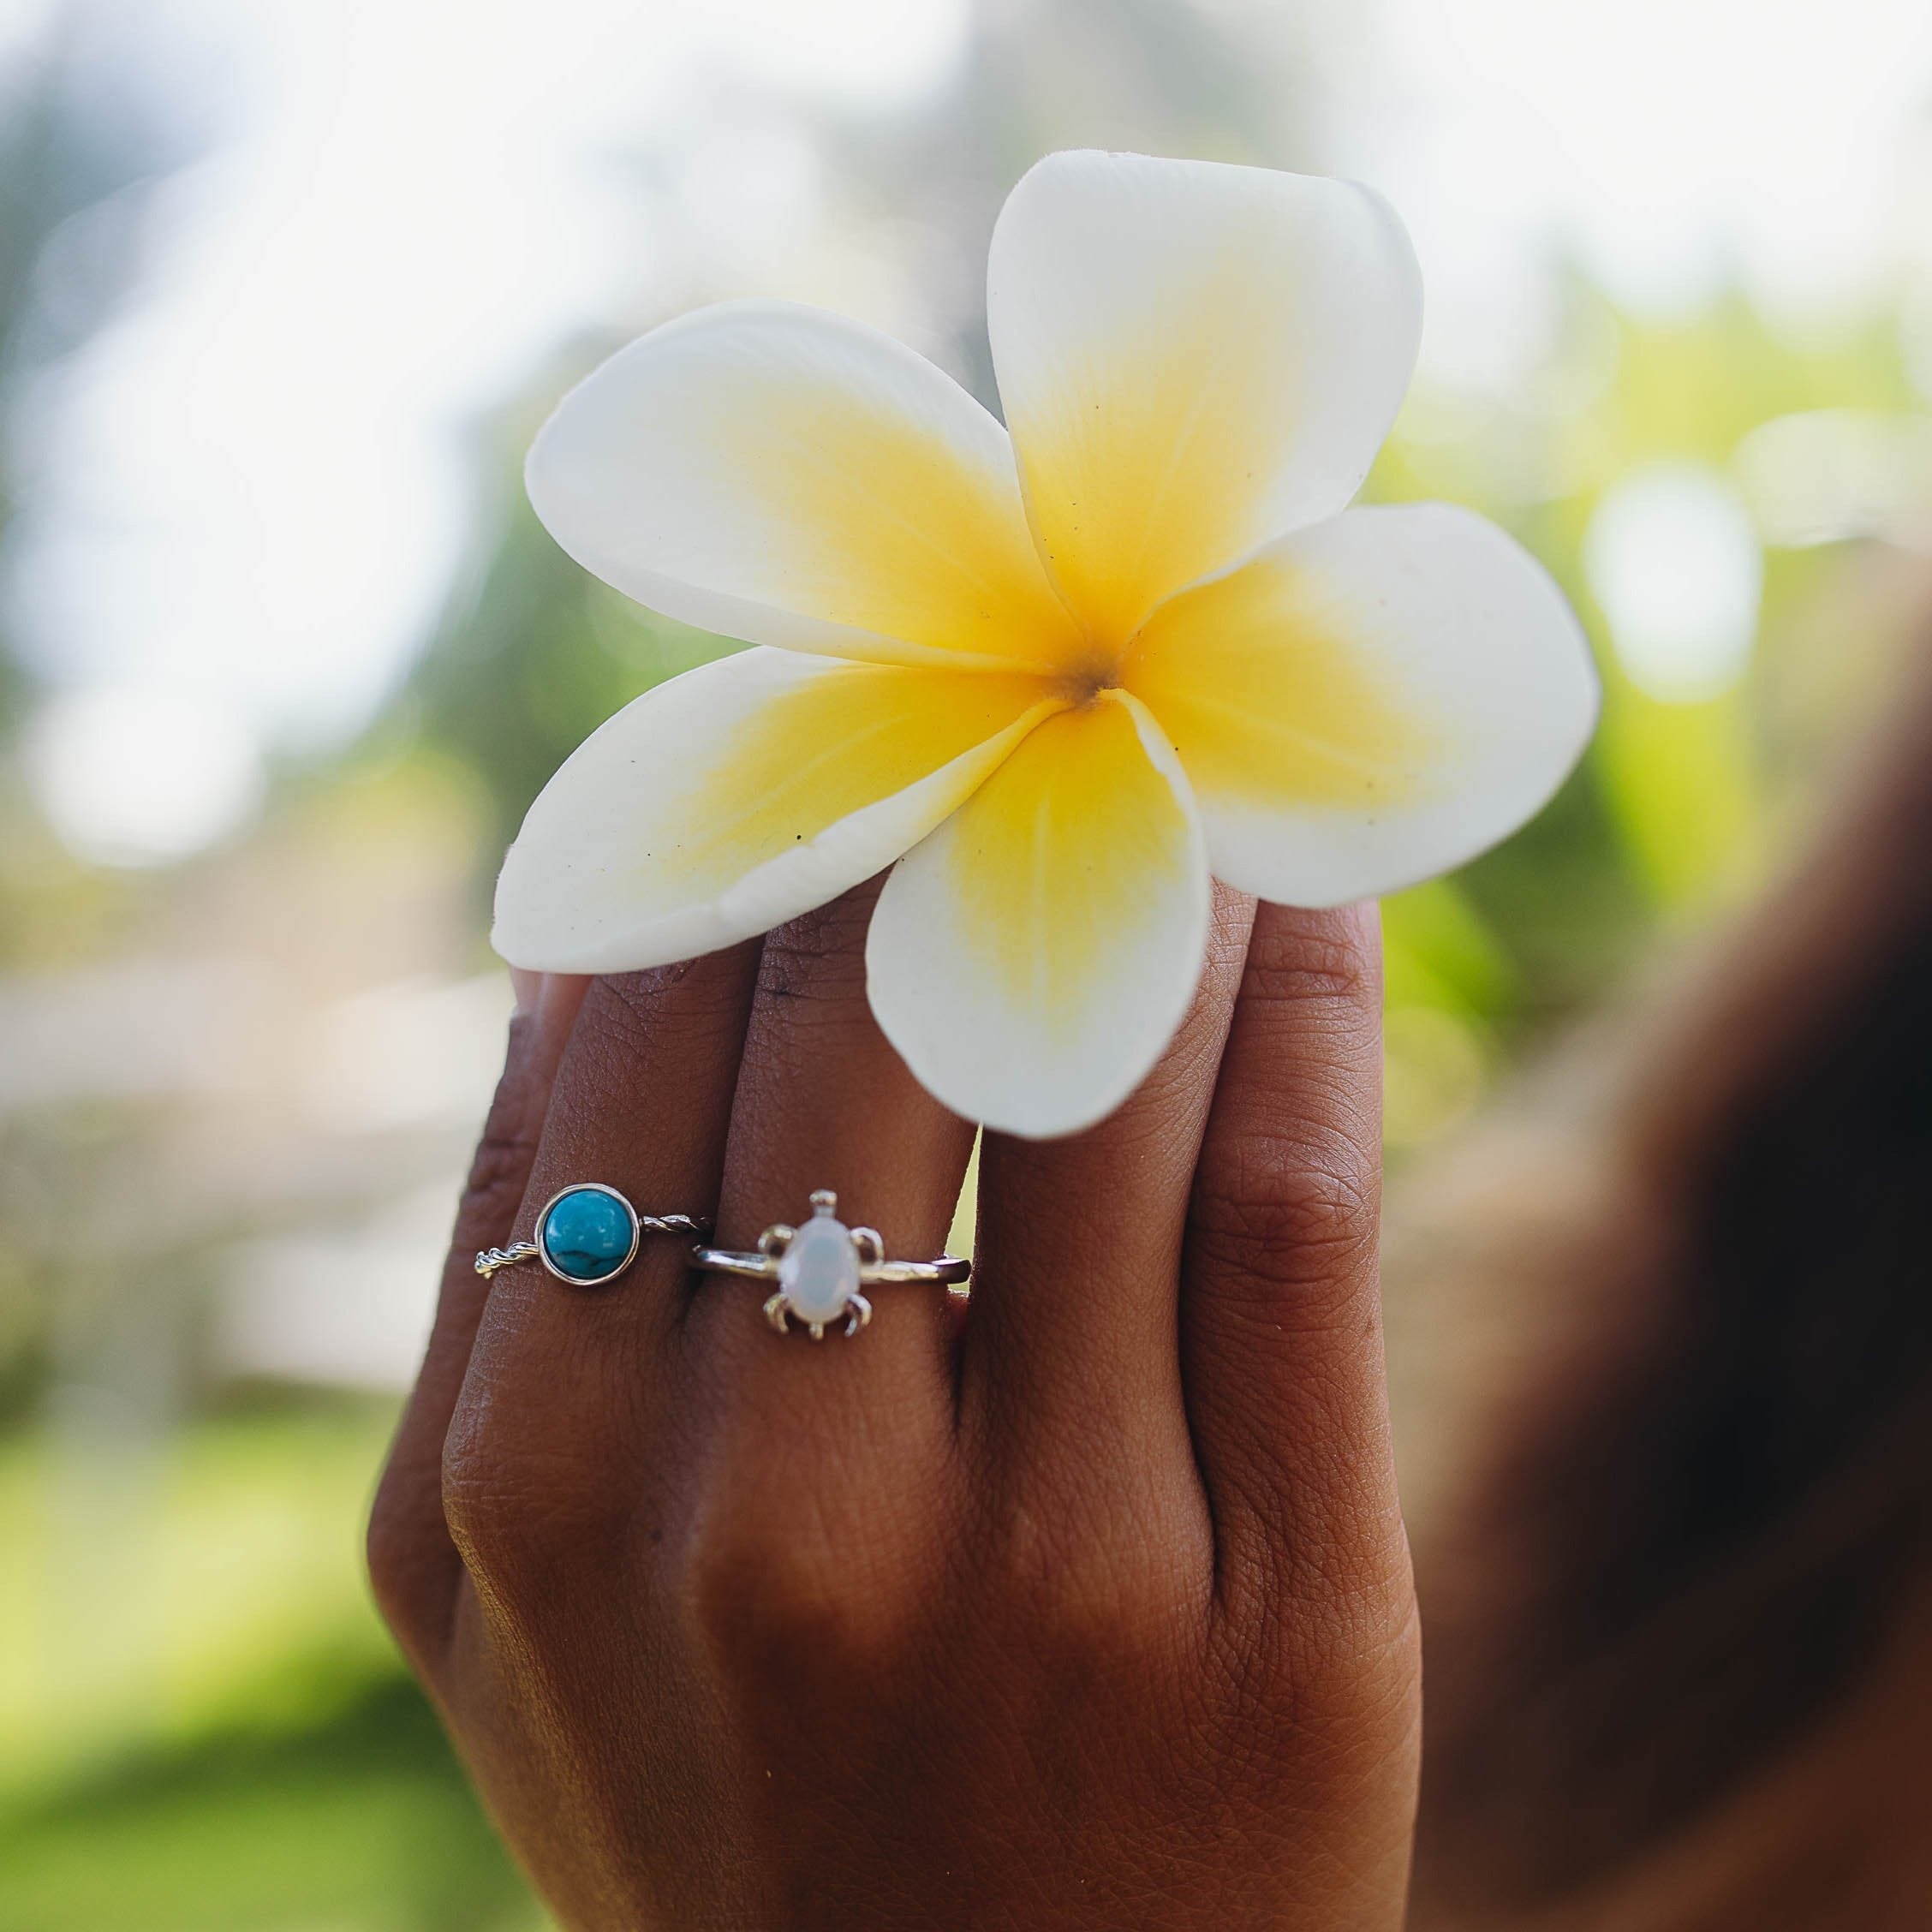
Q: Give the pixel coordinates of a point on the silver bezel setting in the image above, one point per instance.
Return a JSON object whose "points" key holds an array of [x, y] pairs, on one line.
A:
{"points": [[610, 1274]]}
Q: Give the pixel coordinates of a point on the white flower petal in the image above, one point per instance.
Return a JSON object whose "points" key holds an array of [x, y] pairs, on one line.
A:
{"points": [[742, 795], [1032, 958], [783, 474], [1194, 359], [1369, 702]]}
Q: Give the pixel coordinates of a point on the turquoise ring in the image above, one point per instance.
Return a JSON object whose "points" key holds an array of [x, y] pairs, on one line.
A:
{"points": [[588, 1234]]}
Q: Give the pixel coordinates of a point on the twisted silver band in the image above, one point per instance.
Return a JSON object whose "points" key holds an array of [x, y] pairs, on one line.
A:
{"points": [[588, 1234], [489, 1260]]}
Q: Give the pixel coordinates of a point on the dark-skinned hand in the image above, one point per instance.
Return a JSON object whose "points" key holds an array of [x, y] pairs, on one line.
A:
{"points": [[1087, 1606]]}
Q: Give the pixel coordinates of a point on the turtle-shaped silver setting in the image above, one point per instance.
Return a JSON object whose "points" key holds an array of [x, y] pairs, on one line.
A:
{"points": [[819, 1270]]}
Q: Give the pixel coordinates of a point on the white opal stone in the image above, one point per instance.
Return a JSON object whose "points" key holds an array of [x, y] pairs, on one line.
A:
{"points": [[819, 1271]]}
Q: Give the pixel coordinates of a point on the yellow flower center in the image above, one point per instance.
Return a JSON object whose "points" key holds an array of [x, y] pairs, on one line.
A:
{"points": [[1082, 683]]}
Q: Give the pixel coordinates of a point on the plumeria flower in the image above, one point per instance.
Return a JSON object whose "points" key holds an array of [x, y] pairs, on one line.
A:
{"points": [[1056, 674]]}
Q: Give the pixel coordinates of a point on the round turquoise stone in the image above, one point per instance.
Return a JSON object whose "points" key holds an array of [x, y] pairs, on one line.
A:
{"points": [[588, 1234]]}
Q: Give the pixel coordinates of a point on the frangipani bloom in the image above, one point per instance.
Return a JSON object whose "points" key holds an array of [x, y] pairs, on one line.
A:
{"points": [[1061, 671]]}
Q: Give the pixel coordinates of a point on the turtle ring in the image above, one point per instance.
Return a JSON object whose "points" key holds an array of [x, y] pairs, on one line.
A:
{"points": [[820, 1268]]}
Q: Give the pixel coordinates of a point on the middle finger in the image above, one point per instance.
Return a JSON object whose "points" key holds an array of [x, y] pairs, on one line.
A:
{"points": [[1071, 1353]]}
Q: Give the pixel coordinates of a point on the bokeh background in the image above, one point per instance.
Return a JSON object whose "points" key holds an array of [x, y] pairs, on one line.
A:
{"points": [[283, 292]]}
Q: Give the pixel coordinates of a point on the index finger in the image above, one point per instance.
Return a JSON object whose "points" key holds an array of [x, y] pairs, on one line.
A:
{"points": [[414, 1565]]}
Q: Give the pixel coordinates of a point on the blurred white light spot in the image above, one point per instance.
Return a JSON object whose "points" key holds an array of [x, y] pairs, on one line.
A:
{"points": [[350, 1307], [1673, 558], [1824, 475], [411, 1054], [138, 775]]}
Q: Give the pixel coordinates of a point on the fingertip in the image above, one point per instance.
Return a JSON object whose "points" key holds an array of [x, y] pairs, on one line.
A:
{"points": [[551, 1000], [528, 985], [1311, 997]]}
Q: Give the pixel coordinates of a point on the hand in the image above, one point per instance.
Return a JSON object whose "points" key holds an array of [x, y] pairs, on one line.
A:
{"points": [[1092, 1609]]}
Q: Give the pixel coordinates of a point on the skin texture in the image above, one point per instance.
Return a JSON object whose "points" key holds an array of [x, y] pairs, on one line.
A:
{"points": [[1089, 1605]]}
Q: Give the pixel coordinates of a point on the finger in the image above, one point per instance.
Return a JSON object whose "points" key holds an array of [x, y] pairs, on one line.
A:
{"points": [[823, 1101], [413, 1562], [1070, 1358], [1281, 1330], [568, 1384]]}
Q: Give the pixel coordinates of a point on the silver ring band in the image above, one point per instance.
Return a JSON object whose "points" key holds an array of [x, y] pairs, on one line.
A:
{"points": [[820, 1267], [946, 1271], [588, 1234]]}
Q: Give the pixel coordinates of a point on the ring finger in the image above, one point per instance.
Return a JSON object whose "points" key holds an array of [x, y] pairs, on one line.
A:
{"points": [[824, 1102]]}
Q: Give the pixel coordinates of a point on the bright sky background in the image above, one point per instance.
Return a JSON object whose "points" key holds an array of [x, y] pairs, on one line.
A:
{"points": [[245, 499]]}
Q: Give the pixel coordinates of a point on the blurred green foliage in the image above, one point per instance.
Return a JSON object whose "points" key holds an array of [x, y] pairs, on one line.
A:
{"points": [[352, 1817], [532, 654], [254, 1759]]}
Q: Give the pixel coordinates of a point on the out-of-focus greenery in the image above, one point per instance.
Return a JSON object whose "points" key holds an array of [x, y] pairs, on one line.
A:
{"points": [[221, 1737], [1672, 809], [225, 1741], [246, 1755], [534, 655]]}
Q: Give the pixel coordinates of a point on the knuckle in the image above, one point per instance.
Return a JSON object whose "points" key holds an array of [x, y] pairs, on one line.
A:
{"points": [[526, 1528], [819, 956], [1345, 1583], [785, 1604], [1326, 965], [1323, 1597], [1081, 1591], [1285, 1216], [498, 1172], [696, 986], [623, 1012], [1351, 1666], [1333, 1712]]}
